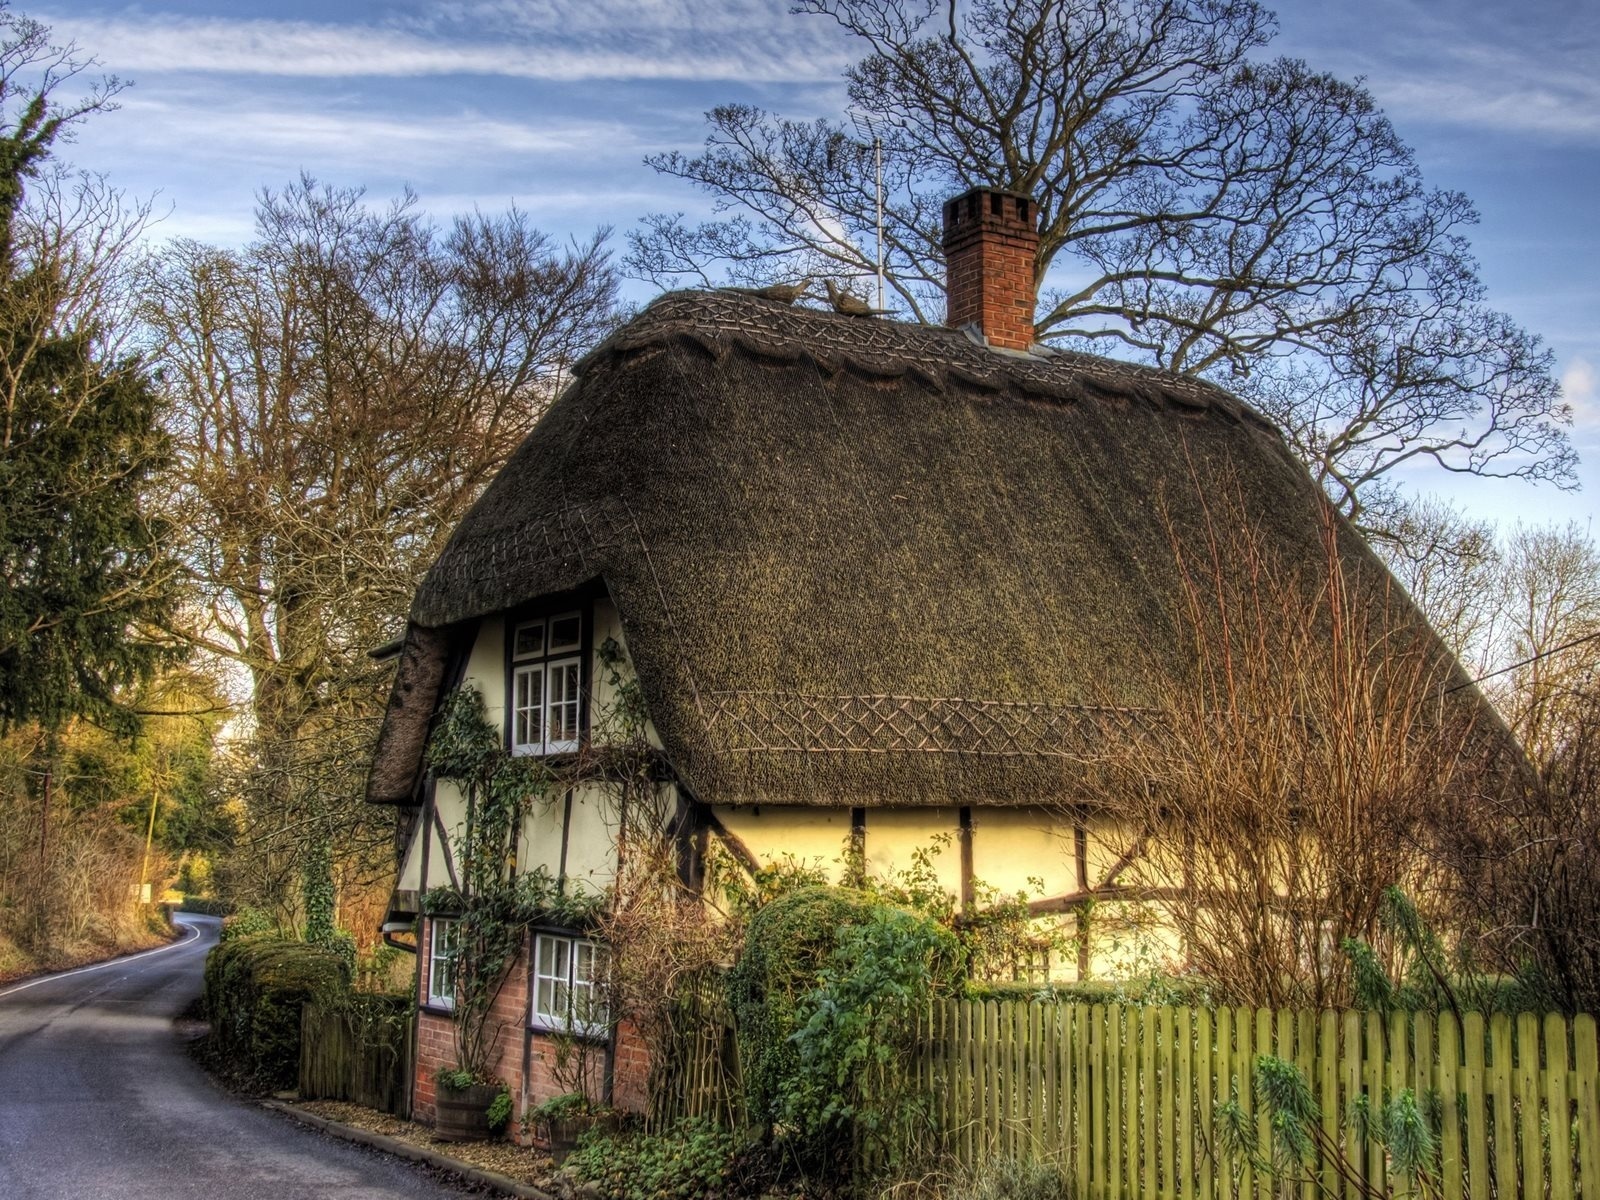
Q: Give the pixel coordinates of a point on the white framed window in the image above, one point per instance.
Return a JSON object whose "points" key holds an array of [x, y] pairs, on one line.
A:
{"points": [[442, 963], [546, 684], [569, 976]]}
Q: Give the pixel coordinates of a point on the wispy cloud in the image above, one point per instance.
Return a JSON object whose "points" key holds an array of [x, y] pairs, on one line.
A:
{"points": [[559, 42], [1580, 387], [252, 129], [1529, 69]]}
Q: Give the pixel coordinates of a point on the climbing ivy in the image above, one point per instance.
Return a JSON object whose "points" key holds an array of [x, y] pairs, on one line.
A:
{"points": [[494, 905]]}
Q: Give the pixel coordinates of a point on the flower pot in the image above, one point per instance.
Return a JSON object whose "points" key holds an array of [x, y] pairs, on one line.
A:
{"points": [[462, 1114]]}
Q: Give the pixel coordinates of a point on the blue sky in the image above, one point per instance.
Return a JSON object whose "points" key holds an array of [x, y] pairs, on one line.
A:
{"points": [[553, 104]]}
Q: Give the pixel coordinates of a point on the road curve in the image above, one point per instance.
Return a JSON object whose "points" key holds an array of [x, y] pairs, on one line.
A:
{"points": [[98, 1098]]}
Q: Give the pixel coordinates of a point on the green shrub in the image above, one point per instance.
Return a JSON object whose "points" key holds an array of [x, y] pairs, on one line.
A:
{"points": [[499, 1114], [1161, 989], [560, 1108], [786, 946], [690, 1161], [205, 906], [254, 987], [857, 1031]]}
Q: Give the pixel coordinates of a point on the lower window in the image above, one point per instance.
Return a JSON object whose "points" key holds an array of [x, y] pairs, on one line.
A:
{"points": [[442, 964], [569, 977]]}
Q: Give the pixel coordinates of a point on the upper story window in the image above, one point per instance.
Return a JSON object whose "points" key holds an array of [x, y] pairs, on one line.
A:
{"points": [[546, 682]]}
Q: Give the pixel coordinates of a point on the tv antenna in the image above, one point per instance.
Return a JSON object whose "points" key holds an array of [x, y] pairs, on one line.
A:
{"points": [[870, 125]]}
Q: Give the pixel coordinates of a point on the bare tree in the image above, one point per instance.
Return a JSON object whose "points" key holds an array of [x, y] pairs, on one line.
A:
{"points": [[1200, 206], [1450, 565], [1299, 774], [341, 390], [1548, 593]]}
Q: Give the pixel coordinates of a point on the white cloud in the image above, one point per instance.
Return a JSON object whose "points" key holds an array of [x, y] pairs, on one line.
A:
{"points": [[558, 42], [1580, 387]]}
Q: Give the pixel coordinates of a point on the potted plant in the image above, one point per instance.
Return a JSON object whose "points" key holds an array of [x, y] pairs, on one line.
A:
{"points": [[559, 1122], [463, 1106]]}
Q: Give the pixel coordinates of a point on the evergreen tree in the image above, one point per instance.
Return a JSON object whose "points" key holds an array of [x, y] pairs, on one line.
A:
{"points": [[86, 578]]}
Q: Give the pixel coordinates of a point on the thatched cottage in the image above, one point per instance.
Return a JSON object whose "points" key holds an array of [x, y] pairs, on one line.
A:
{"points": [[880, 584]]}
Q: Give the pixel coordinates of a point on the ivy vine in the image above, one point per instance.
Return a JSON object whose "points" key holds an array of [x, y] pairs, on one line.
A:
{"points": [[494, 905]]}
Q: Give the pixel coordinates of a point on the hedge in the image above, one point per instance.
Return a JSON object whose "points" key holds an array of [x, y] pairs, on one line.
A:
{"points": [[254, 987]]}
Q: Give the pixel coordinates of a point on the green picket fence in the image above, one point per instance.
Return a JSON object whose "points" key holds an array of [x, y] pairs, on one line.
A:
{"points": [[1124, 1097]]}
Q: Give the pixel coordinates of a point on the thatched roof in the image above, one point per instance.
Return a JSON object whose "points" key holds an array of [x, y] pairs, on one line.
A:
{"points": [[862, 562]]}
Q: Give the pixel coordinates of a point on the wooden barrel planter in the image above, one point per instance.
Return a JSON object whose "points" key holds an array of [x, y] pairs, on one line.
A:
{"points": [[560, 1135], [462, 1114]]}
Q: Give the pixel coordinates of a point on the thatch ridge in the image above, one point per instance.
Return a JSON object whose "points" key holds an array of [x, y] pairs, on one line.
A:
{"points": [[865, 562]]}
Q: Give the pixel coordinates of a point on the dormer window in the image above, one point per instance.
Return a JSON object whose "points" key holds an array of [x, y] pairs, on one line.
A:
{"points": [[546, 684]]}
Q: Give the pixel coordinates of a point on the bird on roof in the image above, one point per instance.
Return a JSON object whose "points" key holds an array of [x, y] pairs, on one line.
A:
{"points": [[784, 293], [849, 303]]}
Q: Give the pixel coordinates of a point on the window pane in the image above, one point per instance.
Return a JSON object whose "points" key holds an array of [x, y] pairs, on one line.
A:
{"points": [[563, 718], [565, 632], [441, 963], [527, 730], [528, 640], [548, 949], [544, 1000]]}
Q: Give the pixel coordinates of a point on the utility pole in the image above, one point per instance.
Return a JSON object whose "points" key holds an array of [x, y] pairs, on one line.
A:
{"points": [[149, 835]]}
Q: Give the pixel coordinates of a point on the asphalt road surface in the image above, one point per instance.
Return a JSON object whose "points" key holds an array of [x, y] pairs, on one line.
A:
{"points": [[99, 1099]]}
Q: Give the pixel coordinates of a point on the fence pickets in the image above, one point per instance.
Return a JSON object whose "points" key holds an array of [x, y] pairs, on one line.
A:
{"points": [[1125, 1096], [366, 1063]]}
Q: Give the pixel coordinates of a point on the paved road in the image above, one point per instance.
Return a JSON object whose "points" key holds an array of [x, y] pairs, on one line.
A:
{"points": [[98, 1098]]}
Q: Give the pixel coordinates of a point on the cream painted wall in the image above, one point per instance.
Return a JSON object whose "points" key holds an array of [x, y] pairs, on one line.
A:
{"points": [[608, 624], [453, 812], [1013, 850], [486, 669], [1012, 846], [895, 834], [591, 838], [813, 837]]}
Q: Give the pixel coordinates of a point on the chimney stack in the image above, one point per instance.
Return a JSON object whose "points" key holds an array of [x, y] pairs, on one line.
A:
{"points": [[990, 239]]}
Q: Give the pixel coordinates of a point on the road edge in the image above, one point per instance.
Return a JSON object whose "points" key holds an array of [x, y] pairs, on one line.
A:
{"points": [[377, 1141], [179, 938]]}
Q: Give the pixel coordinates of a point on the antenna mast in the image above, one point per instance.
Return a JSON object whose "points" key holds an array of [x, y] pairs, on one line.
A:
{"points": [[868, 125]]}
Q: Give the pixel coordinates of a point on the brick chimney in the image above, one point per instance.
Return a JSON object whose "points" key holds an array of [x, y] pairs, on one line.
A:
{"points": [[990, 238]]}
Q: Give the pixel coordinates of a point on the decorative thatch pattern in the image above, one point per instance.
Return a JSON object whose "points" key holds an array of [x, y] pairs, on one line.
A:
{"points": [[863, 562], [789, 723]]}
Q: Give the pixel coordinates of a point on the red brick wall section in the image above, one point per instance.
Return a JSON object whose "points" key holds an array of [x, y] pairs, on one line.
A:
{"points": [[436, 1048]]}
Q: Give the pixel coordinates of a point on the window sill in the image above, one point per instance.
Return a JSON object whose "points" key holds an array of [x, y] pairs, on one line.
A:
{"points": [[598, 1035], [437, 1010], [562, 750]]}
